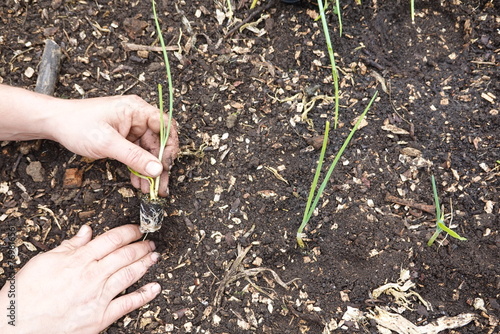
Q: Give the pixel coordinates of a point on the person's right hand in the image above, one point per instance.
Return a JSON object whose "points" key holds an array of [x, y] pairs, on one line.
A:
{"points": [[74, 287]]}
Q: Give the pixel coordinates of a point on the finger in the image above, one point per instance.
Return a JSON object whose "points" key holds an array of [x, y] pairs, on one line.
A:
{"points": [[145, 186], [82, 238], [125, 256], [112, 240], [172, 147], [135, 180], [133, 156], [139, 183], [128, 275], [163, 189], [132, 301]]}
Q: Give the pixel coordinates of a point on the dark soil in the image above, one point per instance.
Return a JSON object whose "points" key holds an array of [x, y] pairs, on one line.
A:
{"points": [[238, 100]]}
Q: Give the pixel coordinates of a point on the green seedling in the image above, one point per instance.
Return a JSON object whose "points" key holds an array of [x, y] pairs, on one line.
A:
{"points": [[164, 134], [339, 15], [311, 205], [152, 208], [412, 11], [154, 184], [335, 74], [440, 226], [336, 10]]}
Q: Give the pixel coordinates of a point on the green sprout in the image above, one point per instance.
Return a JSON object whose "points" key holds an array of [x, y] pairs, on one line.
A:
{"points": [[412, 11], [311, 205], [336, 10], [154, 184], [339, 15], [335, 73], [440, 226]]}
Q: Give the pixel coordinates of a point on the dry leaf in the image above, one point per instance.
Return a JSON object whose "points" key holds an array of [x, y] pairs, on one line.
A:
{"points": [[362, 124], [410, 151], [267, 193], [394, 129], [126, 192]]}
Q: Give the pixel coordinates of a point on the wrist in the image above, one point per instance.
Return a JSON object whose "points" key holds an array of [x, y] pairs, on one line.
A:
{"points": [[26, 115]]}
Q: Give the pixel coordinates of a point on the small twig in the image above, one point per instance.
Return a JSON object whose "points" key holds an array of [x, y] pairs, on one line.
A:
{"points": [[49, 68], [304, 316], [138, 47], [401, 201], [259, 10], [39, 244], [46, 233]]}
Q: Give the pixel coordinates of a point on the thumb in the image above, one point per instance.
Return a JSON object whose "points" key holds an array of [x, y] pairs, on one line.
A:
{"points": [[80, 239], [133, 156]]}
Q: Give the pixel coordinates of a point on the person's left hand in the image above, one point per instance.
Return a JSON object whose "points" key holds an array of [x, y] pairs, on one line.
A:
{"points": [[125, 128], [74, 287]]}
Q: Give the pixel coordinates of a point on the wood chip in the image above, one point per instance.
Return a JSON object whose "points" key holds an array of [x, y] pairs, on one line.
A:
{"points": [[394, 129], [410, 151], [73, 178]]}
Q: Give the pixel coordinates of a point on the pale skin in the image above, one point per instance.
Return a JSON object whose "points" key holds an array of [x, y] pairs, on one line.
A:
{"points": [[124, 128], [74, 287]]}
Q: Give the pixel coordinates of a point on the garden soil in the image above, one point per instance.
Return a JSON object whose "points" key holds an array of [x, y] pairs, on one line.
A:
{"points": [[253, 90]]}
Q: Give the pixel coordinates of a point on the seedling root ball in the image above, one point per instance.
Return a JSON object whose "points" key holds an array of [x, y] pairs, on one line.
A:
{"points": [[151, 213]]}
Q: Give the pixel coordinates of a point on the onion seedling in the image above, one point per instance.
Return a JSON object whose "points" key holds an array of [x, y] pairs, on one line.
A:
{"points": [[339, 15], [335, 74], [311, 205], [412, 11], [440, 226], [336, 10], [152, 207]]}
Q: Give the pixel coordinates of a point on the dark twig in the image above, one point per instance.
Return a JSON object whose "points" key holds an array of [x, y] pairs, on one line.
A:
{"points": [[305, 316], [419, 206], [49, 68]]}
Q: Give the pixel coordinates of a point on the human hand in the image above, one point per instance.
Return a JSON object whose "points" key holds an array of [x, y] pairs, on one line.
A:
{"points": [[72, 288], [125, 128]]}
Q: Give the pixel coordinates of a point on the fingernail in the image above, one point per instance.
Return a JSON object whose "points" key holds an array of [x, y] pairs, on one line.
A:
{"points": [[154, 168], [82, 231], [152, 245], [156, 288], [155, 256]]}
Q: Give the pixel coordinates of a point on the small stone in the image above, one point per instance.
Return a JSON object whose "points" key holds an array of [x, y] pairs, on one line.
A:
{"points": [[143, 54], [56, 4], [316, 141], [29, 72], [231, 121], [36, 171], [134, 27]]}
